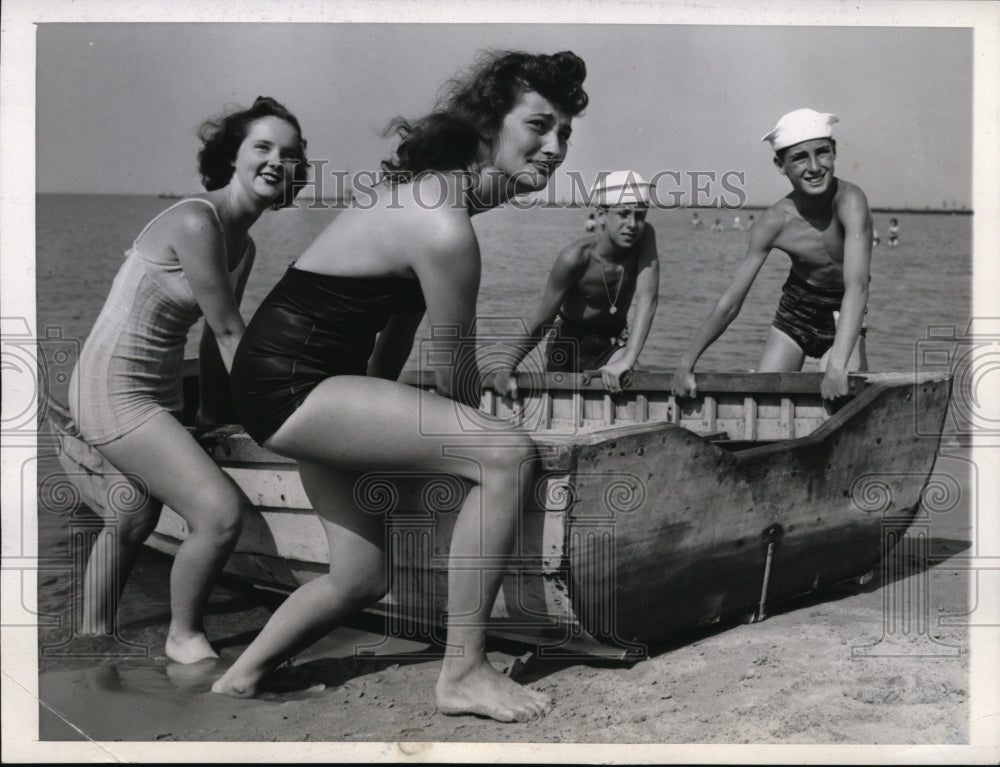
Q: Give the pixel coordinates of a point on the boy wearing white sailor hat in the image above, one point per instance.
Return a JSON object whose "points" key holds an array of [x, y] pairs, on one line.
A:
{"points": [[591, 287], [825, 227]]}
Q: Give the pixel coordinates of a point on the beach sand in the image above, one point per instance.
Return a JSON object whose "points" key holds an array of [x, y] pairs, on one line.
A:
{"points": [[882, 663]]}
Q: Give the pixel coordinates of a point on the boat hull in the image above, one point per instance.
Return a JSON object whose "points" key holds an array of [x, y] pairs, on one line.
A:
{"points": [[647, 516]]}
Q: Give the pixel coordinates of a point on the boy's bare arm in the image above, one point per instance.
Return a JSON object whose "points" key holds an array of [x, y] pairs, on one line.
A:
{"points": [[566, 273], [647, 285], [854, 214], [726, 309]]}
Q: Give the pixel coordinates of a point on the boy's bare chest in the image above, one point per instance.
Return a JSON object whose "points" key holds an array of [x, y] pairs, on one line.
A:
{"points": [[601, 276], [602, 286], [812, 244]]}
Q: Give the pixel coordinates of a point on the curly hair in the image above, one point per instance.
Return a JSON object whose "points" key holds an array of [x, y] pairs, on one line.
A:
{"points": [[472, 110], [222, 136]]}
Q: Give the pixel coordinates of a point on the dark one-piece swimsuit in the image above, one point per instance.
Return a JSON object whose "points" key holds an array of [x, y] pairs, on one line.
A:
{"points": [[309, 328]]}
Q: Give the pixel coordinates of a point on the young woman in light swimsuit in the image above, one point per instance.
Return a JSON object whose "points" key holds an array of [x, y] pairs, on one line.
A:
{"points": [[193, 259]]}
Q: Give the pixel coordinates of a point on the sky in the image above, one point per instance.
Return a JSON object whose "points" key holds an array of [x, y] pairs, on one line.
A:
{"points": [[118, 104]]}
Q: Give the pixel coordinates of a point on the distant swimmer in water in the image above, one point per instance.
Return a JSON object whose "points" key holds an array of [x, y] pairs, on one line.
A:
{"points": [[875, 237], [737, 224], [717, 226], [590, 290], [591, 224], [191, 261], [750, 223], [316, 376], [696, 222], [893, 232], [825, 227]]}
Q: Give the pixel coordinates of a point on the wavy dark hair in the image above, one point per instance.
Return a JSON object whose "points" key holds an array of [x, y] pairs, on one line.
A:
{"points": [[472, 109], [221, 138]]}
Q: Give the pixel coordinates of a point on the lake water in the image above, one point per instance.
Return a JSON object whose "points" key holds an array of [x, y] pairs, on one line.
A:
{"points": [[925, 281]]}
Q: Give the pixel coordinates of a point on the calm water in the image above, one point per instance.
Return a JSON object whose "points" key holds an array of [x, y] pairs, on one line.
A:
{"points": [[926, 280]]}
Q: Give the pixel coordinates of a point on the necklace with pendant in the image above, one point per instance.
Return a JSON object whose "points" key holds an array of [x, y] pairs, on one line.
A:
{"points": [[607, 291]]}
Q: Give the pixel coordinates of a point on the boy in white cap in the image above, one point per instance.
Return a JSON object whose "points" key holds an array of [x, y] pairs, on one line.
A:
{"points": [[590, 290], [825, 227]]}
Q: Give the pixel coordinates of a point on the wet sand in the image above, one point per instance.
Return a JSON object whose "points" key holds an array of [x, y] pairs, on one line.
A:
{"points": [[882, 663]]}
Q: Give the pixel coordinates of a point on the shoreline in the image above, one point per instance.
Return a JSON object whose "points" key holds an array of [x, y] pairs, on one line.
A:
{"points": [[340, 202]]}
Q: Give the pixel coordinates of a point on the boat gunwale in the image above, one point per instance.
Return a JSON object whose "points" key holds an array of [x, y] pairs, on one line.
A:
{"points": [[865, 387], [872, 390]]}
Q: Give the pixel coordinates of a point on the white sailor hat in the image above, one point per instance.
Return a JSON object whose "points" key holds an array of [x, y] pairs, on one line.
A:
{"points": [[623, 187], [800, 125]]}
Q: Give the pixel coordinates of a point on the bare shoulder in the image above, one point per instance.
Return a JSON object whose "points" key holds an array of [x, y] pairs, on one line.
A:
{"points": [[850, 196], [203, 211], [778, 213], [185, 226], [576, 255], [773, 220], [439, 245], [848, 190], [442, 231]]}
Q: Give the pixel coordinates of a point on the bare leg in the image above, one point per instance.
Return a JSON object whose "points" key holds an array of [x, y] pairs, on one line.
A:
{"points": [[113, 556], [129, 519], [351, 423], [468, 683], [357, 578], [781, 354], [178, 472]]}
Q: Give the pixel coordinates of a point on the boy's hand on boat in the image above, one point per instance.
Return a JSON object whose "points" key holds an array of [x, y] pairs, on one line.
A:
{"points": [[616, 375], [834, 383], [684, 384]]}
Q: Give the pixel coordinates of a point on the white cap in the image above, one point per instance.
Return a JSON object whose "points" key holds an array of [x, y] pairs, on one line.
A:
{"points": [[623, 187], [800, 125]]}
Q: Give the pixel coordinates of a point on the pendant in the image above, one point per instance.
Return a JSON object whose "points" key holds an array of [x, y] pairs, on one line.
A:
{"points": [[614, 309]]}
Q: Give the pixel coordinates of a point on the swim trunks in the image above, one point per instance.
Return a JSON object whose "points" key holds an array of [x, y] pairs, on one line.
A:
{"points": [[577, 347], [309, 328], [806, 314]]}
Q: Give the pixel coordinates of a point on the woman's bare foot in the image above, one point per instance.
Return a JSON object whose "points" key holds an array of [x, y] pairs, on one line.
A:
{"points": [[188, 649], [485, 691], [234, 686]]}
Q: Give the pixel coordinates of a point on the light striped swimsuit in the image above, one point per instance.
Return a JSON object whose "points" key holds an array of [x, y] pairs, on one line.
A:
{"points": [[131, 364]]}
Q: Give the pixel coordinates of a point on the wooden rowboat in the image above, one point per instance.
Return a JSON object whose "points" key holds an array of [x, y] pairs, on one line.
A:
{"points": [[650, 515]]}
